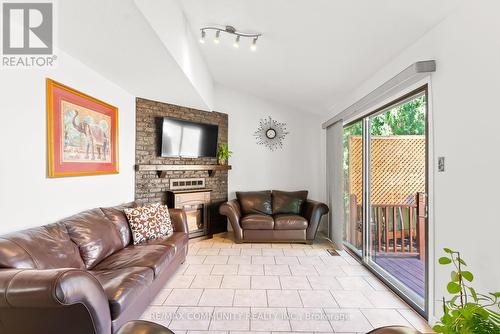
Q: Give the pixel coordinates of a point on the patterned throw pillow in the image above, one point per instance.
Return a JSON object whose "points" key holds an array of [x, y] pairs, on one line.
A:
{"points": [[149, 222], [166, 222]]}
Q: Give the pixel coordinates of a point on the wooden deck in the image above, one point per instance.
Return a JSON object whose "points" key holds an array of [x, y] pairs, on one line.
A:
{"points": [[409, 270]]}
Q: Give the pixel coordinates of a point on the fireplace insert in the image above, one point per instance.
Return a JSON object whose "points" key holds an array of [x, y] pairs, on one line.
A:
{"points": [[195, 204]]}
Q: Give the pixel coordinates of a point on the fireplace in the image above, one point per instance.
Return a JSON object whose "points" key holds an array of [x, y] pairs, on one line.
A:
{"points": [[195, 204]]}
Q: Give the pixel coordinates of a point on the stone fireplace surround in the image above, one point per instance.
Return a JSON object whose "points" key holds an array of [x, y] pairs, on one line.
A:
{"points": [[149, 187]]}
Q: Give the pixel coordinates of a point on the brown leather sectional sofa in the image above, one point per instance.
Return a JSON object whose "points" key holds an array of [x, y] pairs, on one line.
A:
{"points": [[82, 274], [277, 216]]}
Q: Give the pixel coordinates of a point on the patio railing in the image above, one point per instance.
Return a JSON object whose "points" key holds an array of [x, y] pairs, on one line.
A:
{"points": [[398, 228]]}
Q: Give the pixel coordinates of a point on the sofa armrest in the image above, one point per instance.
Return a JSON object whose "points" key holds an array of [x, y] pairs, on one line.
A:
{"points": [[179, 220], [232, 211], [28, 293], [313, 211]]}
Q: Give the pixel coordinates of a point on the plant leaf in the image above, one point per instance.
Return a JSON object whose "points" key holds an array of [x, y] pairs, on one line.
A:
{"points": [[467, 275], [454, 276], [449, 251], [438, 329], [453, 288], [453, 300], [473, 293], [482, 313], [444, 260], [462, 261]]}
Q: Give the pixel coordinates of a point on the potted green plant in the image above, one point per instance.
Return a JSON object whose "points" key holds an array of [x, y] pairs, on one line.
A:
{"points": [[223, 154], [467, 311]]}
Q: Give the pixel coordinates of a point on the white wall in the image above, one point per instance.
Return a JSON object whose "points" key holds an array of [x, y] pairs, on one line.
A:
{"points": [[466, 122], [295, 167], [27, 197], [168, 21]]}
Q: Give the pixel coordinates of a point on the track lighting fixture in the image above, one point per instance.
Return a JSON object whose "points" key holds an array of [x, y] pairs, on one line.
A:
{"points": [[231, 30]]}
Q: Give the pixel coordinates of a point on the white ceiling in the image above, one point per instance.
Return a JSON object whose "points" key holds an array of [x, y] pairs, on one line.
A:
{"points": [[312, 51]]}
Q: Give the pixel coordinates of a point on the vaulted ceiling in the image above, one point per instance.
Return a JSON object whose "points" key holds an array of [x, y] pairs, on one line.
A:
{"points": [[312, 51]]}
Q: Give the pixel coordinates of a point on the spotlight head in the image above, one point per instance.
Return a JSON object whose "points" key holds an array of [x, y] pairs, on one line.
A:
{"points": [[236, 43], [202, 38], [253, 47], [217, 35]]}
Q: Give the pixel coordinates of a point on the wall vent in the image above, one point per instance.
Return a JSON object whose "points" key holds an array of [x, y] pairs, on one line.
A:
{"points": [[332, 252]]}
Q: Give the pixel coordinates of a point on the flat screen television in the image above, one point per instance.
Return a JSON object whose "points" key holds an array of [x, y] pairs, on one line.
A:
{"points": [[188, 139]]}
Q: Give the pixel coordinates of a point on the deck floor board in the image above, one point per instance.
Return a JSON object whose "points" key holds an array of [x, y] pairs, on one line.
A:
{"points": [[409, 270]]}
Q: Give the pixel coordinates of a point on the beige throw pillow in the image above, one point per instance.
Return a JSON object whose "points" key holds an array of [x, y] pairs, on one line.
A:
{"points": [[149, 222]]}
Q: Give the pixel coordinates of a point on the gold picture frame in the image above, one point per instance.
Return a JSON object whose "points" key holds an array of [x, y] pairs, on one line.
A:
{"points": [[82, 133]]}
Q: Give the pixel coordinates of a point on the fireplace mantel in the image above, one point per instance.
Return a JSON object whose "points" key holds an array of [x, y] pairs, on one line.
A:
{"points": [[163, 169]]}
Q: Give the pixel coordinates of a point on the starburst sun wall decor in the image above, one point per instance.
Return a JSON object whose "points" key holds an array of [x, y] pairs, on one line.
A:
{"points": [[271, 133]]}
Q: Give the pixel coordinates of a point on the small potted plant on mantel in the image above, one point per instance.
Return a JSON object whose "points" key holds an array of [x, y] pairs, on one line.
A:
{"points": [[223, 154], [467, 311]]}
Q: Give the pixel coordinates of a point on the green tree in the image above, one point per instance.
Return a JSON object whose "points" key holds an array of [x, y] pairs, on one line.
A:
{"points": [[404, 120]]}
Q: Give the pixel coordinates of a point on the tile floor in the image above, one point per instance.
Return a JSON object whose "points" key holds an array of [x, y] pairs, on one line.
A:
{"points": [[231, 288]]}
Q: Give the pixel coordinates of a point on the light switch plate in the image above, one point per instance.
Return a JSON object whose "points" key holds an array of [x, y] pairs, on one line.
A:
{"points": [[440, 164]]}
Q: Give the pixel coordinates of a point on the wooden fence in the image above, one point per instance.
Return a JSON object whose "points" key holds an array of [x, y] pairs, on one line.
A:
{"points": [[397, 168]]}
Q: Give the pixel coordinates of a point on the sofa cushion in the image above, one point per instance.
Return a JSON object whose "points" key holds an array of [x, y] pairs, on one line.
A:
{"points": [[290, 202], [116, 215], [178, 240], [122, 286], [14, 256], [289, 222], [149, 222], [44, 247], [255, 202], [257, 222], [155, 257], [94, 234]]}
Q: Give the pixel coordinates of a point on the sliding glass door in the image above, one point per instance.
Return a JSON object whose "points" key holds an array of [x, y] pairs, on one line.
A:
{"points": [[385, 164]]}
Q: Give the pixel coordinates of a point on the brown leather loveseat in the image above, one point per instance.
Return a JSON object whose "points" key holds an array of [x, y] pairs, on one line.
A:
{"points": [[265, 216], [82, 275]]}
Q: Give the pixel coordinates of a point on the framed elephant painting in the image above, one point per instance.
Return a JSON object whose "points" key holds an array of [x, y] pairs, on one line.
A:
{"points": [[82, 133]]}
